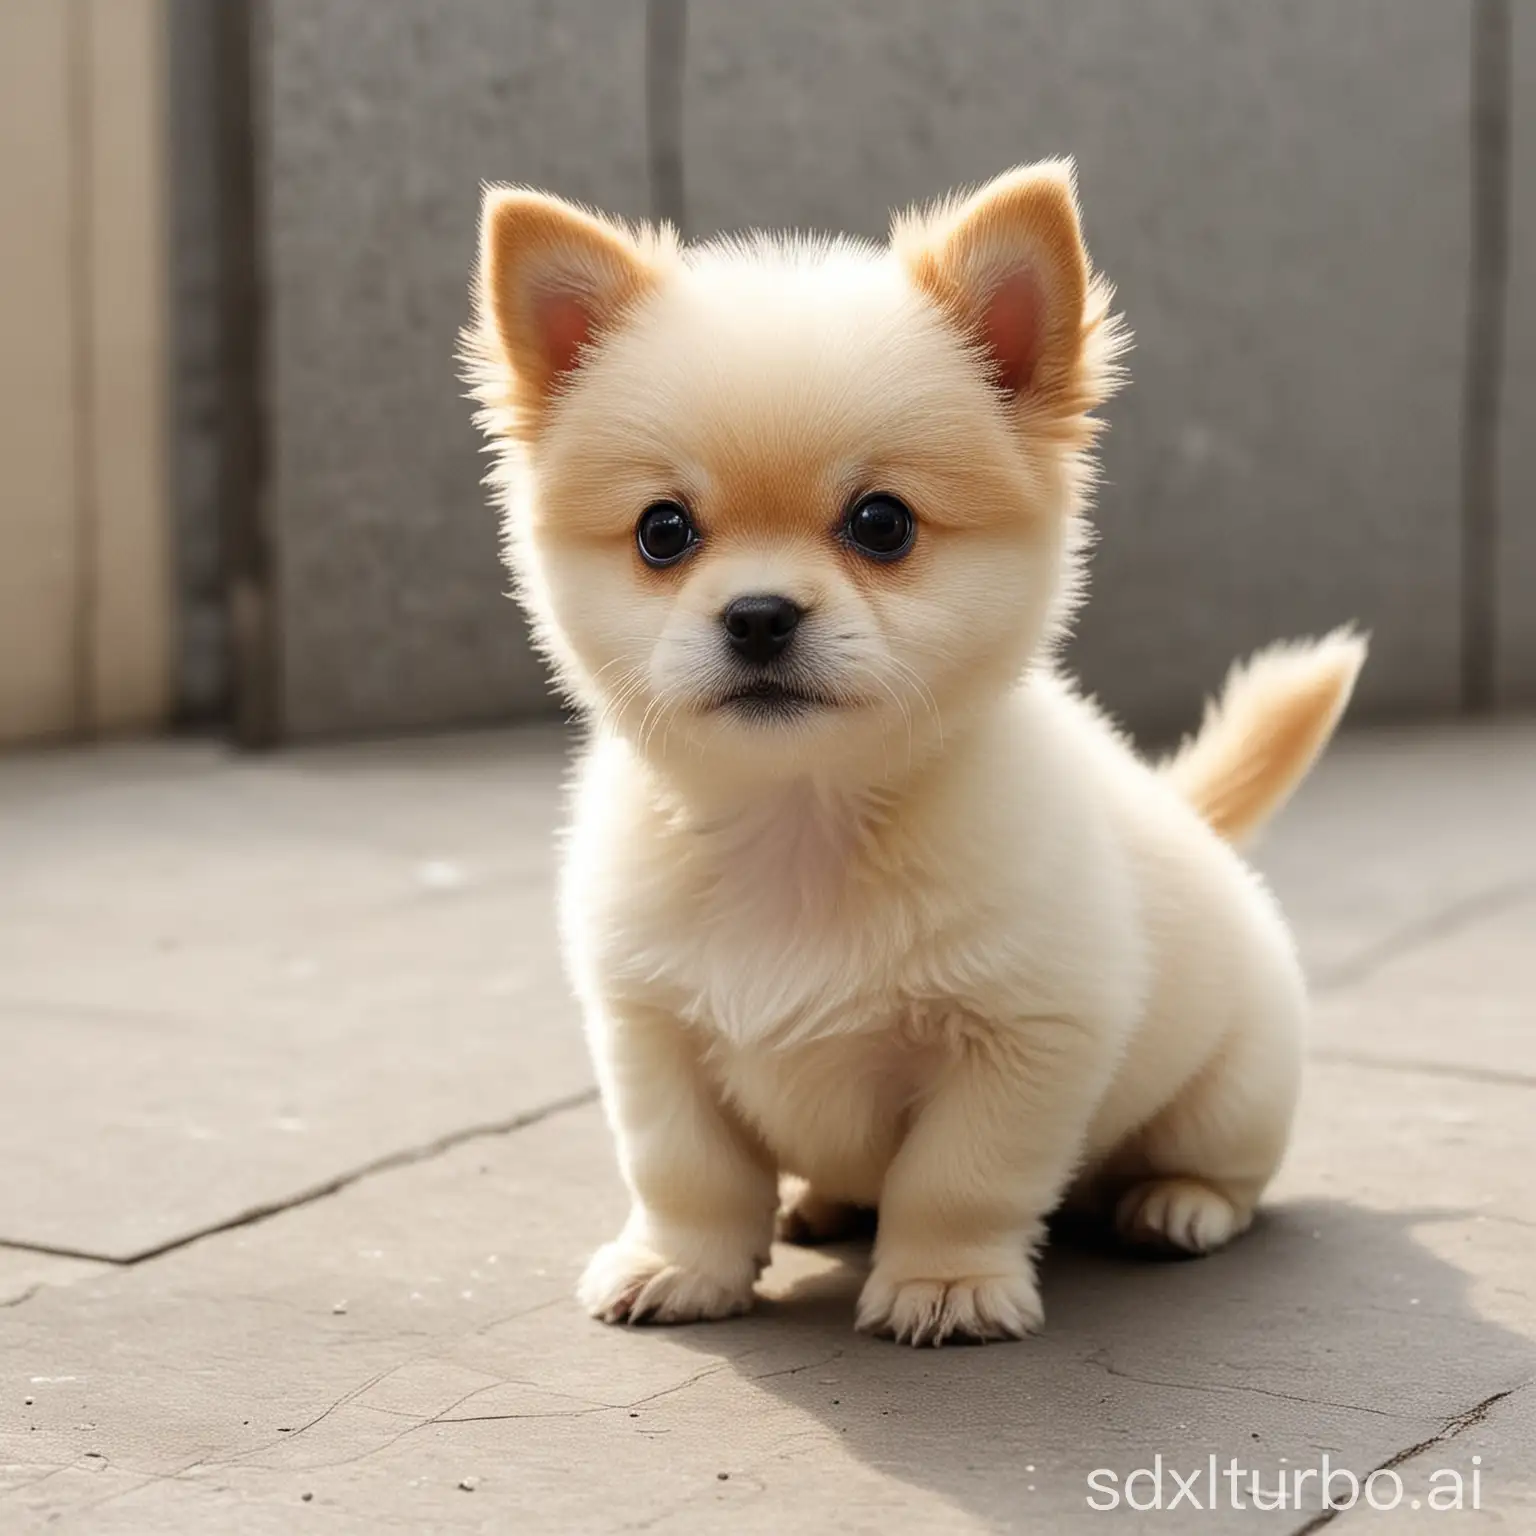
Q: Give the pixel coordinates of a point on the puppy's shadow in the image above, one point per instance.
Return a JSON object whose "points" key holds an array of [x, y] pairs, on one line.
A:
{"points": [[1328, 1328]]}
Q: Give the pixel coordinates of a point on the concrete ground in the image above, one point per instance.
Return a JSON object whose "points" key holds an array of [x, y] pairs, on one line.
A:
{"points": [[300, 1160]]}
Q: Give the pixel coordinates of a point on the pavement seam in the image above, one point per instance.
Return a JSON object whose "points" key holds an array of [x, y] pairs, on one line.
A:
{"points": [[1418, 1066], [1097, 1359], [1421, 931], [1452, 1427], [405, 1158]]}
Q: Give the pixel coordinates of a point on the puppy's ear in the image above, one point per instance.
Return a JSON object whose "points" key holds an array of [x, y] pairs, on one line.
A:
{"points": [[1007, 264], [553, 280]]}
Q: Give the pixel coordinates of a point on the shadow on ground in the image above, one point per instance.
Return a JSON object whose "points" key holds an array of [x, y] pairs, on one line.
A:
{"points": [[1328, 1330]]}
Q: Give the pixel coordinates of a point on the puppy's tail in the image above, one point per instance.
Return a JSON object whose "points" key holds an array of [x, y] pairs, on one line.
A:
{"points": [[1259, 739]]}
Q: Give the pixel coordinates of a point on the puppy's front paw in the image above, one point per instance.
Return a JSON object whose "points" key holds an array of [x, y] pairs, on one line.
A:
{"points": [[972, 1307], [1181, 1214], [628, 1283]]}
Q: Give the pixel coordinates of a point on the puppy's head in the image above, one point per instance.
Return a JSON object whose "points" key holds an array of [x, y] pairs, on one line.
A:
{"points": [[782, 506]]}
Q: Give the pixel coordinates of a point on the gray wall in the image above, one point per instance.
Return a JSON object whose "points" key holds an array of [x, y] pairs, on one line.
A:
{"points": [[1517, 500], [197, 348], [1280, 191], [386, 115]]}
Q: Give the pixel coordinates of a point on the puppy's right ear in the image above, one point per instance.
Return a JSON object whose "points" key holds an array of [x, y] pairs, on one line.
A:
{"points": [[1008, 266], [553, 280]]}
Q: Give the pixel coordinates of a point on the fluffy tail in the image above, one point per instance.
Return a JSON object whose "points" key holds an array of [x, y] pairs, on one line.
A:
{"points": [[1259, 739]]}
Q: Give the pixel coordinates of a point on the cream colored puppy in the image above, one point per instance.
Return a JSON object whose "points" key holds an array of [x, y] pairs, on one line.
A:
{"points": [[858, 890]]}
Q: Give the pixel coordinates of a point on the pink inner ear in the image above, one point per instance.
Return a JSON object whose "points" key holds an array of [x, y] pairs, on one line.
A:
{"points": [[1013, 328], [564, 325]]}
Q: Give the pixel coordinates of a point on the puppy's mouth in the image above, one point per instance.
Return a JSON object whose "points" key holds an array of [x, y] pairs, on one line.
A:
{"points": [[768, 699]]}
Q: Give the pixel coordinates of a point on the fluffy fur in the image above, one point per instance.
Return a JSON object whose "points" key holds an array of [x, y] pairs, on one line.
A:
{"points": [[938, 941]]}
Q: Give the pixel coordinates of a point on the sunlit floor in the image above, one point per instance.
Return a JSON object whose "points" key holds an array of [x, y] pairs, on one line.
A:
{"points": [[300, 1161]]}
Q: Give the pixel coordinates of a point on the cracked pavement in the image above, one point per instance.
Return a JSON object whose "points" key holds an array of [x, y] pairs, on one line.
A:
{"points": [[302, 1158]]}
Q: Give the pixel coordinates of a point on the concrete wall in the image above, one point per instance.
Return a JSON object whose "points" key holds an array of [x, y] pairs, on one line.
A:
{"points": [[1516, 608], [1281, 193], [385, 118], [198, 344]]}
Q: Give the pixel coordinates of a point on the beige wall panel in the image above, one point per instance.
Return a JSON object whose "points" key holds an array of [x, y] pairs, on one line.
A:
{"points": [[130, 630], [38, 553]]}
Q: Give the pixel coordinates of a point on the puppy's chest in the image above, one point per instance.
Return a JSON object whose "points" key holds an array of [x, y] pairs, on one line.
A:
{"points": [[835, 1109], [773, 927]]}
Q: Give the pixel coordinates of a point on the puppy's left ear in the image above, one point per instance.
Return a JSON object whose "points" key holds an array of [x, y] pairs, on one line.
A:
{"points": [[553, 281], [1008, 266]]}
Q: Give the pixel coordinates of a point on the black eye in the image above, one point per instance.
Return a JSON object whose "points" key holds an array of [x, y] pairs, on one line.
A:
{"points": [[664, 533], [880, 526]]}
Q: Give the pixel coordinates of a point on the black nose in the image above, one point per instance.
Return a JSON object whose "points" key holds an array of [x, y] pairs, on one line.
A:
{"points": [[760, 627]]}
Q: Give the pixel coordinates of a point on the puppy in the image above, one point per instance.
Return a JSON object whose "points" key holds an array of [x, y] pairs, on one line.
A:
{"points": [[858, 889]]}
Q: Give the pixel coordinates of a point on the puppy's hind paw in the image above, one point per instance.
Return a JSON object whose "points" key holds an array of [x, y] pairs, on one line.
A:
{"points": [[627, 1283], [808, 1219], [975, 1308], [1181, 1215]]}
